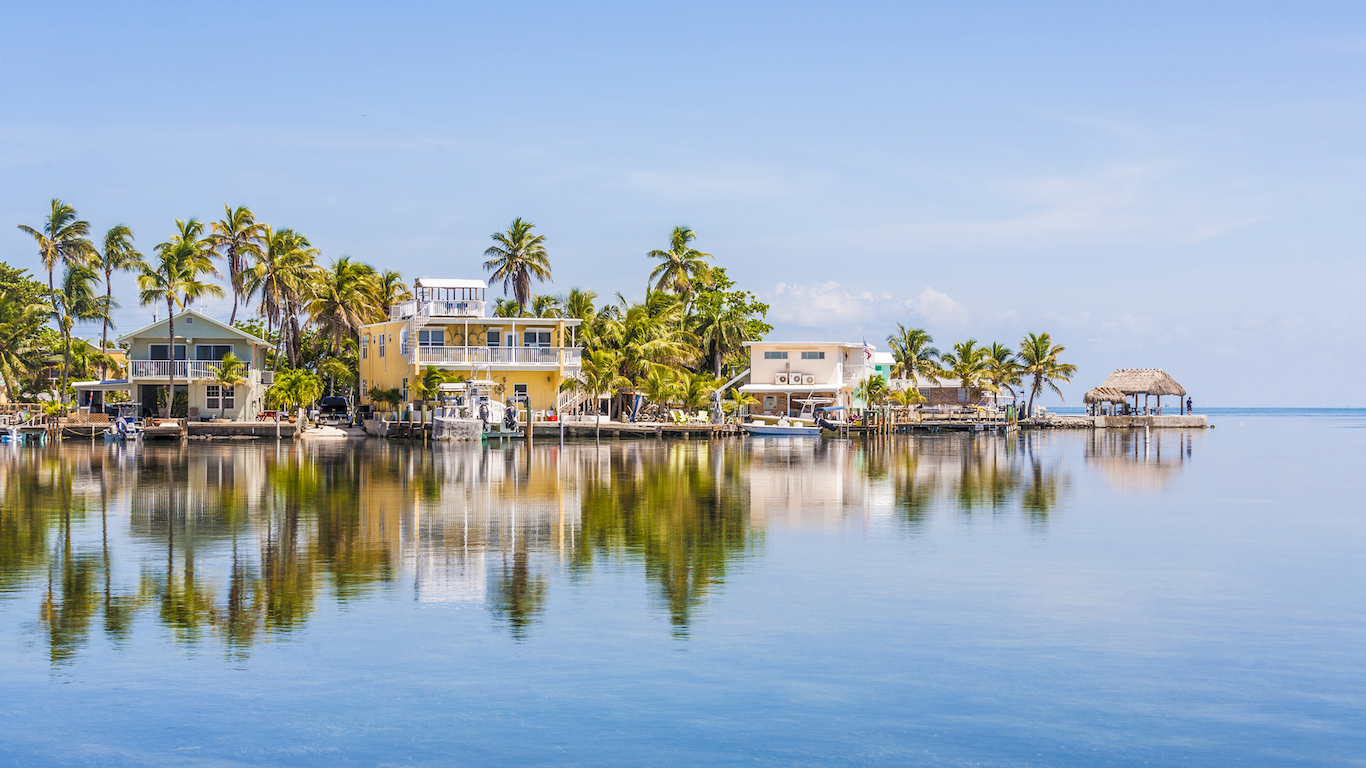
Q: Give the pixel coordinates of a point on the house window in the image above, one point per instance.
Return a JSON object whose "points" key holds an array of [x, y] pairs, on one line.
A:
{"points": [[364, 387], [962, 395], [536, 338], [770, 402], [813, 355], [510, 339], [431, 338], [211, 351], [158, 352], [219, 397], [364, 346], [381, 345], [495, 337], [768, 355], [519, 393], [405, 389]]}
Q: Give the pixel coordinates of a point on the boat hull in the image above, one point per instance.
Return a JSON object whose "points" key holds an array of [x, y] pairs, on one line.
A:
{"points": [[773, 430]]}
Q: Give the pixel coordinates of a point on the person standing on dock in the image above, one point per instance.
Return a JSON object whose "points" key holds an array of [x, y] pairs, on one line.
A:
{"points": [[1190, 406]]}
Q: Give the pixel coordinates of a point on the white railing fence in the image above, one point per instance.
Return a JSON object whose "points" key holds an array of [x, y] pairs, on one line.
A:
{"points": [[184, 369]]}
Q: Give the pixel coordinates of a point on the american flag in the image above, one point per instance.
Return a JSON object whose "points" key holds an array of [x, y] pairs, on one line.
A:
{"points": [[867, 351]]}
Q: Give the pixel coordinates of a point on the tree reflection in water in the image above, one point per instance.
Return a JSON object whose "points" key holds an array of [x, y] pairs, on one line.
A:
{"points": [[242, 543], [680, 509]]}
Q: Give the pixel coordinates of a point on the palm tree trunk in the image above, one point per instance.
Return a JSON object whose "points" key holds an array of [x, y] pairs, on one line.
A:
{"points": [[66, 363], [170, 353], [104, 339]]}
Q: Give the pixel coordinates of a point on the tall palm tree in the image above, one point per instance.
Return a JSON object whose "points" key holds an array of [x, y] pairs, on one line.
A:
{"points": [[967, 363], [282, 274], [238, 239], [76, 300], [599, 376], [1039, 355], [721, 331], [119, 255], [19, 341], [516, 257], [173, 277], [1003, 369], [341, 300], [64, 239], [680, 265], [913, 355]]}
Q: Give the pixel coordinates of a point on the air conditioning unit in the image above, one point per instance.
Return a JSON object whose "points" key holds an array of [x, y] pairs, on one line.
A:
{"points": [[809, 379], [780, 379], [267, 377]]}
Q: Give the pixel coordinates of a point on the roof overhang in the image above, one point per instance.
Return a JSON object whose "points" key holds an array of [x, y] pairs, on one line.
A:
{"points": [[439, 282], [143, 331], [109, 385], [775, 388]]}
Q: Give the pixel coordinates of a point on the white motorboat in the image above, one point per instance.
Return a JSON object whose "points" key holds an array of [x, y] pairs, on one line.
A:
{"points": [[783, 428]]}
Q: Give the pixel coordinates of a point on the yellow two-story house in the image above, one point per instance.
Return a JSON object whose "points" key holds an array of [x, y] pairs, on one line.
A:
{"points": [[444, 326]]}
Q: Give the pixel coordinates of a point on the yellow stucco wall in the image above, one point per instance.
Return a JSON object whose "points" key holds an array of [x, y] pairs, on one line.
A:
{"points": [[543, 384]]}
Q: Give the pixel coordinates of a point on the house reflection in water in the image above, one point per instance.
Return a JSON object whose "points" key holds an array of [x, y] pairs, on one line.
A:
{"points": [[246, 542]]}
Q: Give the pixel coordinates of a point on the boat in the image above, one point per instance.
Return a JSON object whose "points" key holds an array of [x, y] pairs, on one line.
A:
{"points": [[783, 428], [125, 426]]}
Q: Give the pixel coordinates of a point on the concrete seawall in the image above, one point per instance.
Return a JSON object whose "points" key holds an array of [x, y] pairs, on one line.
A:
{"points": [[241, 429], [1155, 422]]}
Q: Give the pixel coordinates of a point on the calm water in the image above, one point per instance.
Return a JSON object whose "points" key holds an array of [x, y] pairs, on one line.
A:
{"points": [[1183, 598]]}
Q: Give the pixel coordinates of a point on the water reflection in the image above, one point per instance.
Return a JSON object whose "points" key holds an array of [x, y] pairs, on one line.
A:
{"points": [[1140, 460], [226, 545]]}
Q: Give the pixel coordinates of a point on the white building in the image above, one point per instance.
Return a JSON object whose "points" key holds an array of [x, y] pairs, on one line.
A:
{"points": [[784, 373]]}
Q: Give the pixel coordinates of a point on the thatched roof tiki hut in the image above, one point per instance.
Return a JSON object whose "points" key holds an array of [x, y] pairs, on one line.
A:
{"points": [[1132, 382]]}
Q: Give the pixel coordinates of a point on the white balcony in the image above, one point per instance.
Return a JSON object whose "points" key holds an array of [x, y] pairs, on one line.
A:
{"points": [[549, 357], [186, 370], [428, 309]]}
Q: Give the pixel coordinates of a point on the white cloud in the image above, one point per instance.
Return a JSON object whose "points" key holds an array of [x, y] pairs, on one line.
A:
{"points": [[829, 303], [938, 307]]}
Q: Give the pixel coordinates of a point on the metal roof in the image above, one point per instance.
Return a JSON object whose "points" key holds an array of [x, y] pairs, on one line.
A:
{"points": [[443, 282]]}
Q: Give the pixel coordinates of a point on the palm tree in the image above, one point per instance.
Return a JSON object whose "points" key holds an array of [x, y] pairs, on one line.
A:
{"points": [[660, 386], [507, 308], [389, 290], [913, 355], [119, 256], [430, 382], [64, 239], [649, 334], [873, 390], [516, 258], [721, 331], [230, 373], [174, 278], [578, 303], [696, 389], [546, 306], [680, 265], [1003, 369], [282, 274], [19, 341], [739, 401], [238, 239], [598, 376], [76, 300], [907, 397], [1039, 355], [967, 363], [341, 301]]}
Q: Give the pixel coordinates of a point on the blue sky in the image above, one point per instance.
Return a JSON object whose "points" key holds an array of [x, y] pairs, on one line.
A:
{"points": [[1155, 185]]}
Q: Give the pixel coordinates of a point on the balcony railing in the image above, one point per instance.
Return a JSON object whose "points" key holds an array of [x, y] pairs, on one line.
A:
{"points": [[547, 356], [426, 309], [184, 369]]}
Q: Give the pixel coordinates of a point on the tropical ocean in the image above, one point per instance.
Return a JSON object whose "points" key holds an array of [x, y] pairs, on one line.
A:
{"points": [[1054, 598]]}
